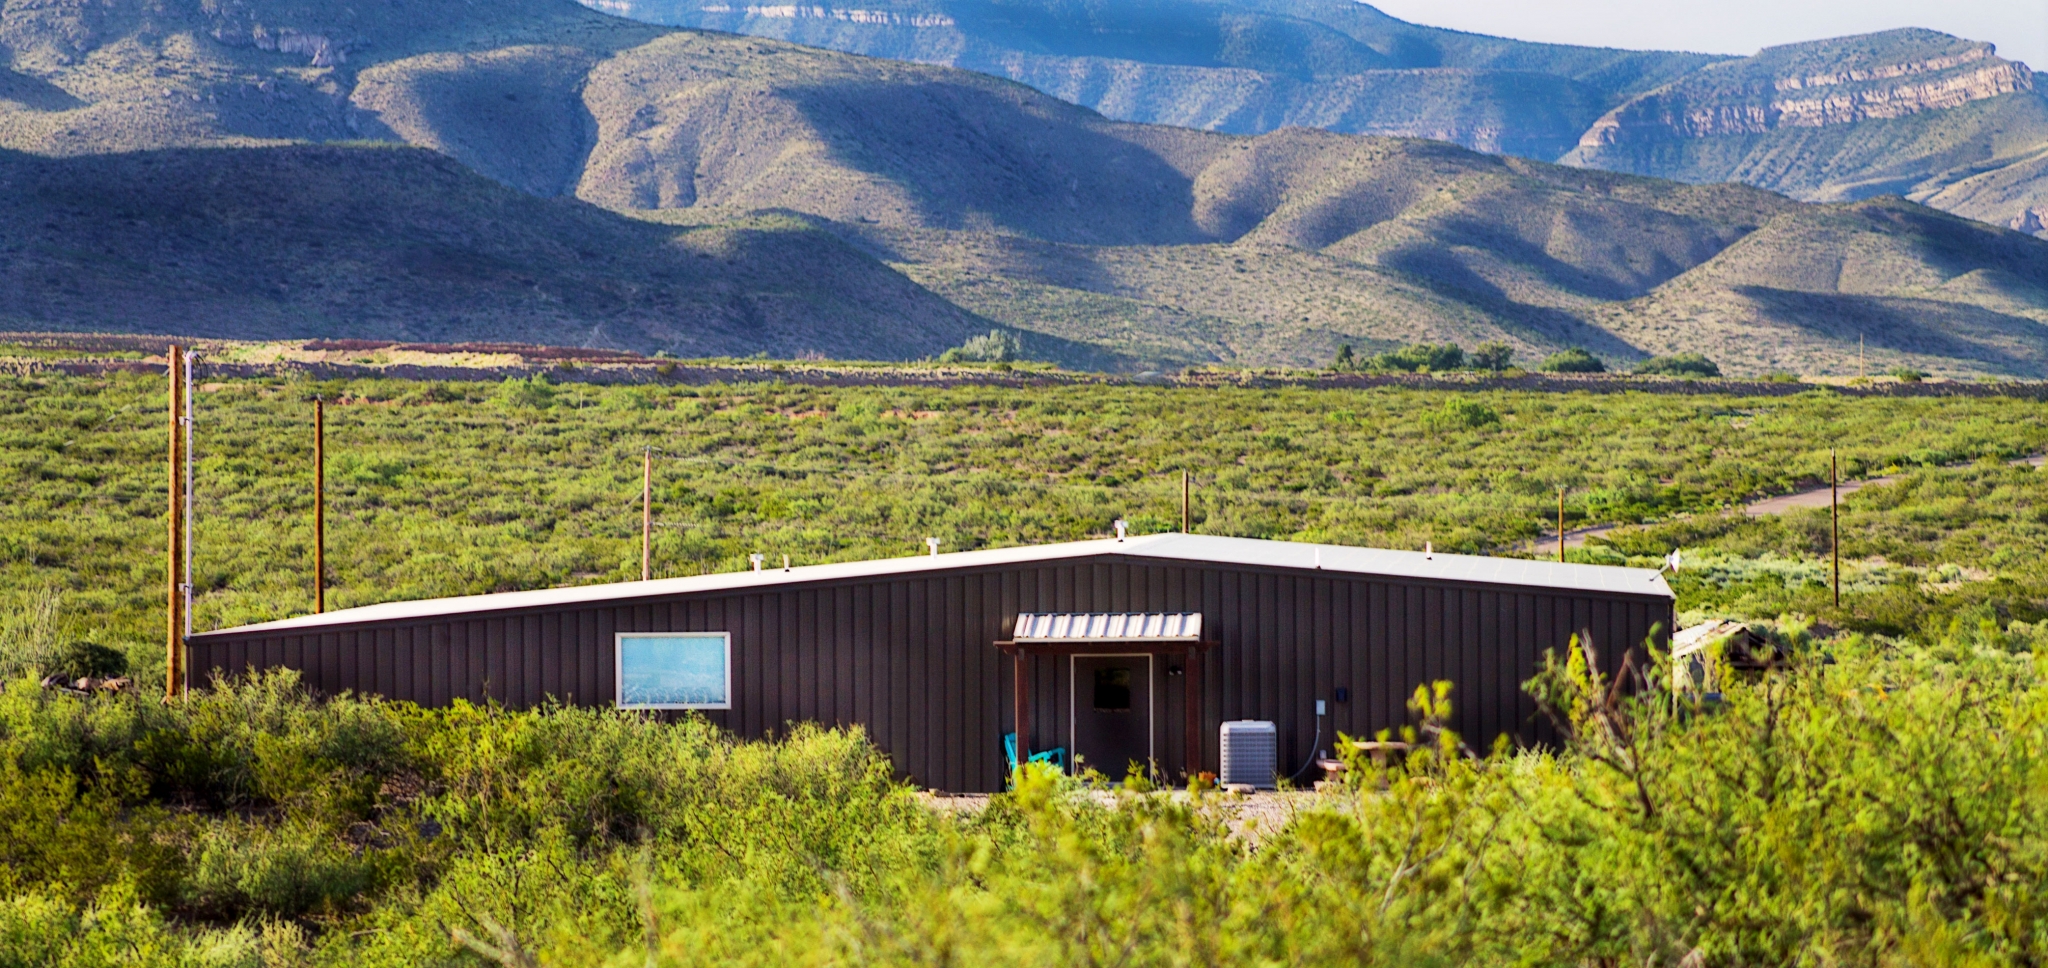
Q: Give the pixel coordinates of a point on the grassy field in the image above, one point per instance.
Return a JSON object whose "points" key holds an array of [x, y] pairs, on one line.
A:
{"points": [[457, 488], [1879, 802]]}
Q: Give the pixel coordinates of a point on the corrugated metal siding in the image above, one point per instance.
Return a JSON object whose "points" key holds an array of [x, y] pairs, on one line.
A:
{"points": [[911, 657]]}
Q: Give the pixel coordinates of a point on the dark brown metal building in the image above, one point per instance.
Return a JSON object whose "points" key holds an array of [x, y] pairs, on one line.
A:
{"points": [[926, 654]]}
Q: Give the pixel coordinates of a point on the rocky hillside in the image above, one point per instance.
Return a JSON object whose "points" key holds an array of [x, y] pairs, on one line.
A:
{"points": [[1909, 112], [1904, 112], [721, 193], [1815, 284], [400, 243], [1246, 66]]}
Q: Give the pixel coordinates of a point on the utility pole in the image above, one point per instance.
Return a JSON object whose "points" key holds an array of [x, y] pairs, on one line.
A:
{"points": [[1835, 514], [1185, 488], [185, 416], [319, 505], [647, 514], [1560, 523], [1862, 371], [174, 627]]}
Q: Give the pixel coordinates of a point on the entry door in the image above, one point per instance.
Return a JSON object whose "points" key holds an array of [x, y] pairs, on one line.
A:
{"points": [[1112, 712]]}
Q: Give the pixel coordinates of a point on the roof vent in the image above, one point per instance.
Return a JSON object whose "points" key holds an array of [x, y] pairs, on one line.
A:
{"points": [[1121, 527], [933, 544], [757, 558]]}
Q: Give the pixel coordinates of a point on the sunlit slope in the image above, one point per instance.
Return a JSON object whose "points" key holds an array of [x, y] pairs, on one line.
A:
{"points": [[127, 75], [2010, 193]]}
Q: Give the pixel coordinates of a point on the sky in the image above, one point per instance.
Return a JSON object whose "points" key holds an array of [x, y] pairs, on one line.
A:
{"points": [[2018, 27]]}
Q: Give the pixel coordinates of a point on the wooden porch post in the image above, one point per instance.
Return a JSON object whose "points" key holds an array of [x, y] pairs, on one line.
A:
{"points": [[1192, 702], [1023, 665]]}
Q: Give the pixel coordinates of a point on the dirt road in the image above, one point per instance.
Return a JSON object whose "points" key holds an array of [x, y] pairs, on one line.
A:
{"points": [[1812, 498]]}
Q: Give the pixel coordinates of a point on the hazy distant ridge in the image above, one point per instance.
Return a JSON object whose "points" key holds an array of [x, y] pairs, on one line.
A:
{"points": [[1907, 111]]}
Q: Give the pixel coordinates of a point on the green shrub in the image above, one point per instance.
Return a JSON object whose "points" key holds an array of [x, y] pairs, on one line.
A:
{"points": [[290, 870], [1419, 357], [1678, 364], [1907, 374], [1459, 413], [1573, 360], [532, 393]]}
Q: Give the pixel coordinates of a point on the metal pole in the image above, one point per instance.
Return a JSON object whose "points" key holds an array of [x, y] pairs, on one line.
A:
{"points": [[1560, 523], [187, 584], [647, 515], [1835, 513], [174, 626], [1185, 488], [319, 505]]}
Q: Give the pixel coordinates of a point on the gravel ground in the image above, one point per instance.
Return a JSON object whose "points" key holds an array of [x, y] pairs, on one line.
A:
{"points": [[1253, 815]]}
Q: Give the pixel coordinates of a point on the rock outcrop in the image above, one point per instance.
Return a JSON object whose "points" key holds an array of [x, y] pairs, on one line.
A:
{"points": [[1778, 89]]}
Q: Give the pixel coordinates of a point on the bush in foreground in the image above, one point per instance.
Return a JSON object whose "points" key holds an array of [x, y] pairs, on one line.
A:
{"points": [[1879, 804]]}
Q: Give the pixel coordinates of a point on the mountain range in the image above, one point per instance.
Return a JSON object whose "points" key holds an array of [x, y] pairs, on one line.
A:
{"points": [[534, 170], [1913, 112]]}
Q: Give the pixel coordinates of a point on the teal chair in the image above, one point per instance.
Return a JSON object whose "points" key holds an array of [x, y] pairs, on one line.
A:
{"points": [[1057, 756]]}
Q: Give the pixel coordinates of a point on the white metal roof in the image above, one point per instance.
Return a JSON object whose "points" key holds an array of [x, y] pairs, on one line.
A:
{"points": [[1165, 547], [1108, 626]]}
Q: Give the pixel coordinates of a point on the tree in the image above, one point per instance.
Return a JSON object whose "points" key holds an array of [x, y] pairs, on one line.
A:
{"points": [[997, 347], [1491, 355], [1345, 359], [1574, 360]]}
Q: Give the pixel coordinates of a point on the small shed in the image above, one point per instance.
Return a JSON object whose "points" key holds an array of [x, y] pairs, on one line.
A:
{"points": [[1119, 651]]}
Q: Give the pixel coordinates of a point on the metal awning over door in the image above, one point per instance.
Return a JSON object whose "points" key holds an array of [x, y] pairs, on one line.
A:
{"points": [[1036, 627], [1149, 633]]}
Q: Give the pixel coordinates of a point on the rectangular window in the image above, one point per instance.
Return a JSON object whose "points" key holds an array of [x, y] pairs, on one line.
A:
{"points": [[675, 670]]}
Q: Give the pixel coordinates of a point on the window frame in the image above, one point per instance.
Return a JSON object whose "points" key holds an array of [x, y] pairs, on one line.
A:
{"points": [[619, 670]]}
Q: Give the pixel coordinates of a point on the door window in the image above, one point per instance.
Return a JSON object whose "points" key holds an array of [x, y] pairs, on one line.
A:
{"points": [[1113, 689]]}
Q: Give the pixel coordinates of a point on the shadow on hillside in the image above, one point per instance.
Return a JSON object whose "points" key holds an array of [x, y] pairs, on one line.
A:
{"points": [[35, 93], [1441, 273], [404, 243], [2005, 344], [1603, 271], [976, 161]]}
